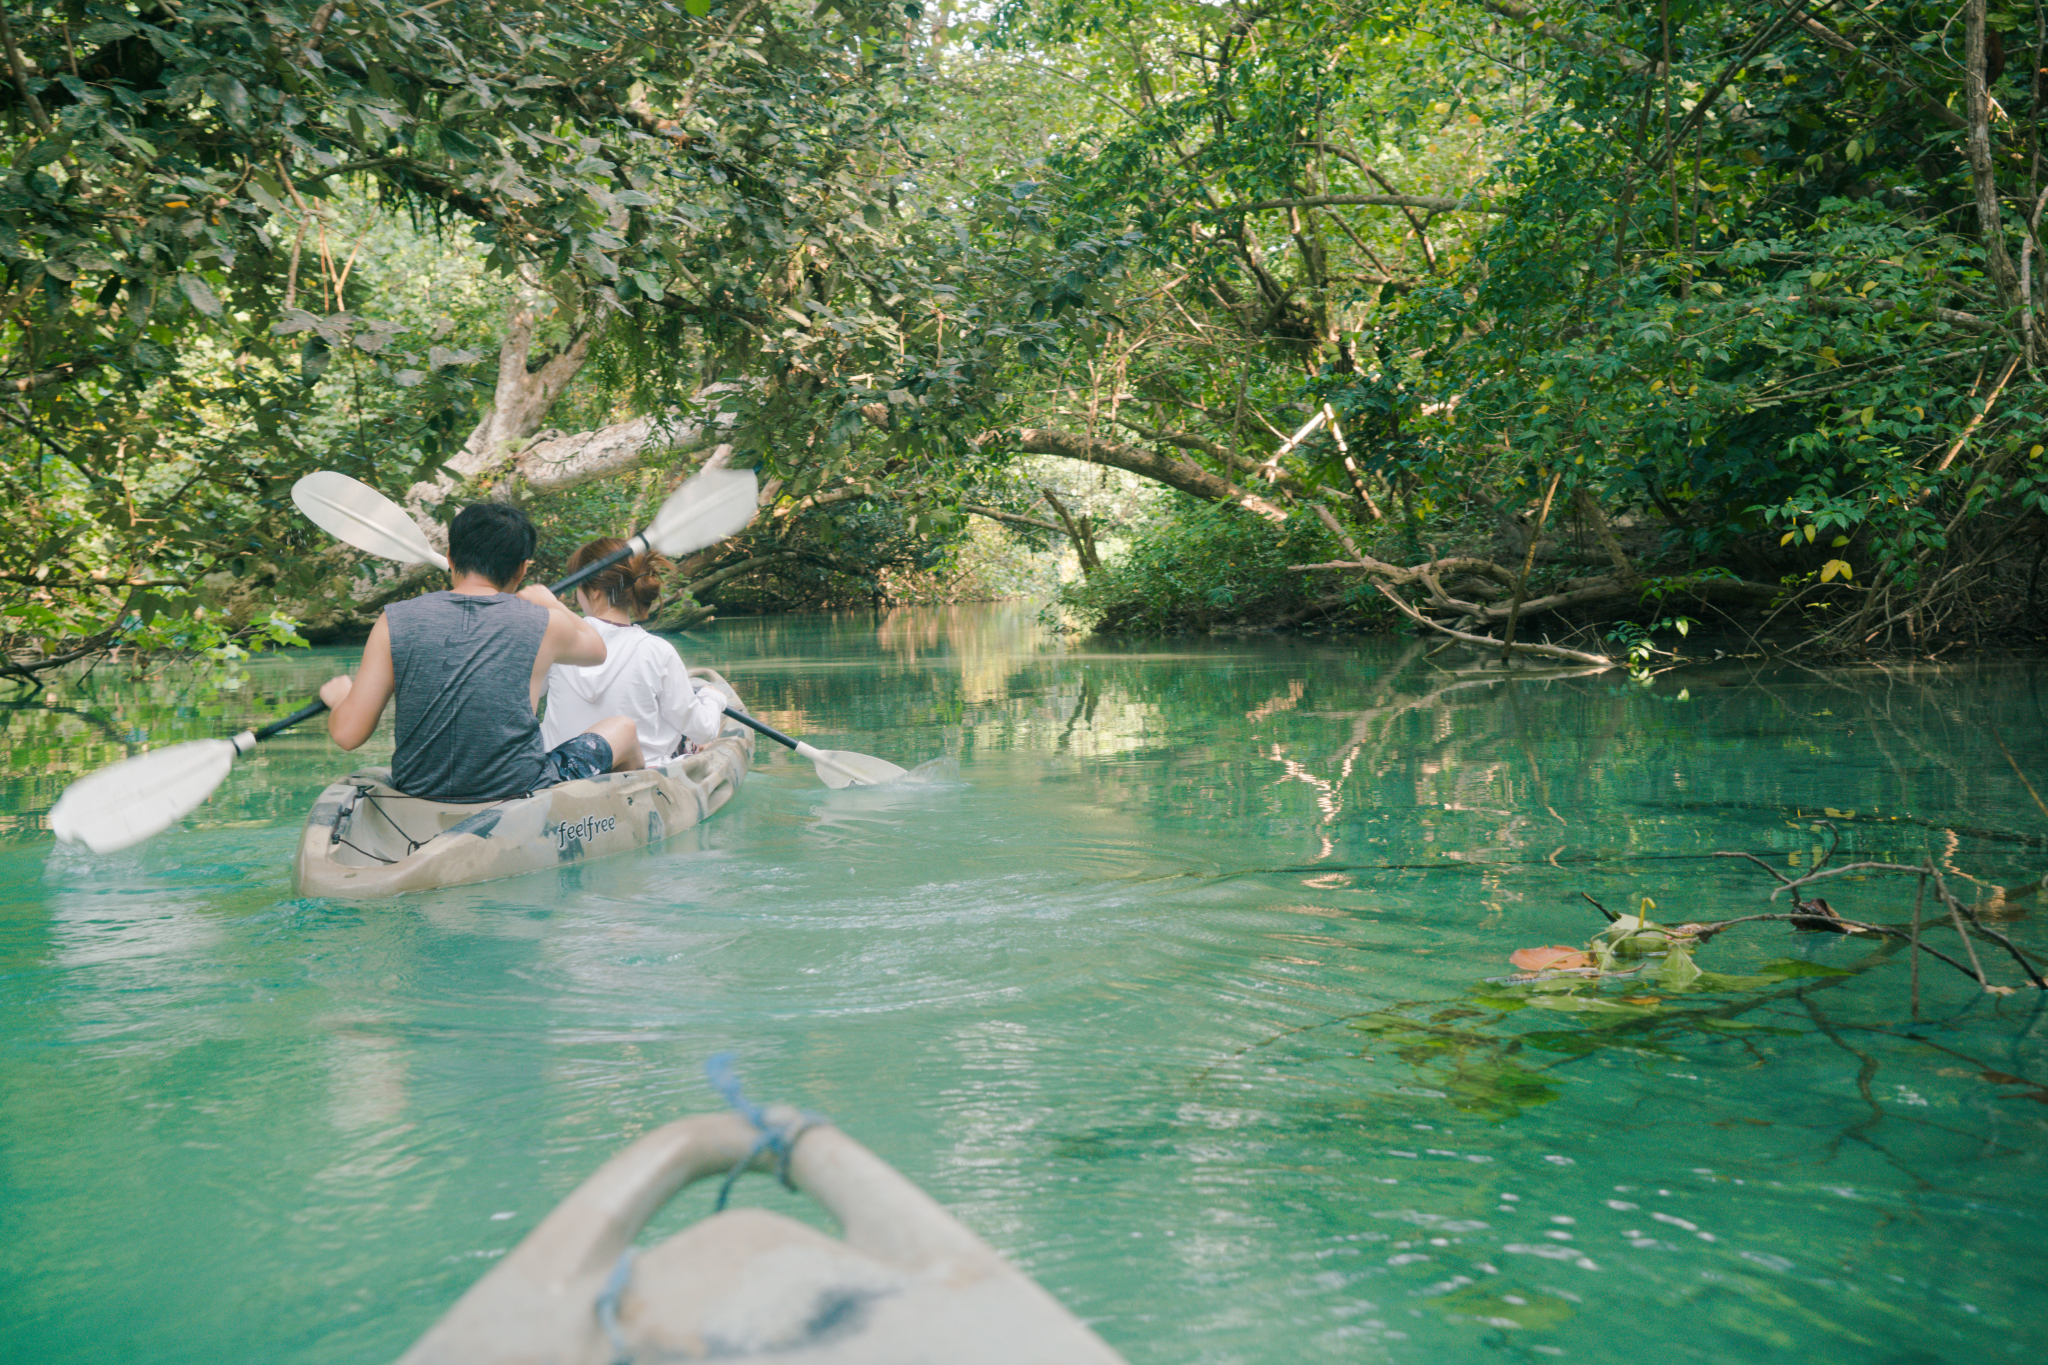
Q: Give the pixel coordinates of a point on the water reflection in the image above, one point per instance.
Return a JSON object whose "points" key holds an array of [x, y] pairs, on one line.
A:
{"points": [[1110, 995]]}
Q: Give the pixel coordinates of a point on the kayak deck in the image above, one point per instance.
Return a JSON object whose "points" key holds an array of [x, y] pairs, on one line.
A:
{"points": [[907, 1284], [364, 838]]}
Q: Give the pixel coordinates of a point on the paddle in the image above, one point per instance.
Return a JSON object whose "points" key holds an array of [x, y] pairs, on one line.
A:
{"points": [[836, 767], [356, 513], [127, 802]]}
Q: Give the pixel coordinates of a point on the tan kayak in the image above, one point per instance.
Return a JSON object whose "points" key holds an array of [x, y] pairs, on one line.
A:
{"points": [[364, 838], [907, 1285]]}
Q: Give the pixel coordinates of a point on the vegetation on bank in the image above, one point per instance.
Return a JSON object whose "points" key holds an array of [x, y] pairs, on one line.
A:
{"points": [[1491, 317]]}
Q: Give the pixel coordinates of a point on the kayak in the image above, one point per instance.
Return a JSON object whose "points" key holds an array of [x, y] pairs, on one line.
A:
{"points": [[906, 1284], [365, 838]]}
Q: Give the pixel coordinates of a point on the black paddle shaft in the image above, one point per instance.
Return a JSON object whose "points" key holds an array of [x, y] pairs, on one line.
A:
{"points": [[625, 552], [306, 712], [784, 740]]}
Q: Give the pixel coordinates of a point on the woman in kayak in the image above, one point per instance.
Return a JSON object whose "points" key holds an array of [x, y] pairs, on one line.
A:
{"points": [[642, 677]]}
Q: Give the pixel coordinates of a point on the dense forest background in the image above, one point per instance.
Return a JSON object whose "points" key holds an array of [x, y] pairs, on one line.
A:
{"points": [[1558, 327]]}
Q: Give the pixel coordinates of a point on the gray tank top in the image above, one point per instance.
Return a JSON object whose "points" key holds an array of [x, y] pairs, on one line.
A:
{"points": [[464, 673]]}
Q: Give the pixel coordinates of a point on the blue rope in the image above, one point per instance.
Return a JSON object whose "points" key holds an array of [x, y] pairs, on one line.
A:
{"points": [[725, 1079], [721, 1071], [608, 1300]]}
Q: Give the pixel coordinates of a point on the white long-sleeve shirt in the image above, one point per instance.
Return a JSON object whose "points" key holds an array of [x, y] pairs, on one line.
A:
{"points": [[642, 677]]}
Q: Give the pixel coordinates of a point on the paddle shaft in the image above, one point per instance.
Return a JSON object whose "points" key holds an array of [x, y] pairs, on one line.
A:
{"points": [[784, 740], [306, 712], [632, 547], [637, 545]]}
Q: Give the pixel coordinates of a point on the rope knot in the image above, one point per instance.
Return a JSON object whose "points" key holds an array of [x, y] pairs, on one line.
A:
{"points": [[722, 1071]]}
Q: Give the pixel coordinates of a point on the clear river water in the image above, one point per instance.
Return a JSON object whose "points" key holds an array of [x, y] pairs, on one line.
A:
{"points": [[1179, 996]]}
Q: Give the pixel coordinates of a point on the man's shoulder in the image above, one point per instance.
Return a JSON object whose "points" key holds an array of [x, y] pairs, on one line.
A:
{"points": [[500, 611]]}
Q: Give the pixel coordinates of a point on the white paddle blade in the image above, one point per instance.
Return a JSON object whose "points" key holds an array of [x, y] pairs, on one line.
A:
{"points": [[358, 514], [126, 802], [713, 505], [838, 768]]}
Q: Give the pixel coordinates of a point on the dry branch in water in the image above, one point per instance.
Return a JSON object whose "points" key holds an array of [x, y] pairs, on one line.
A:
{"points": [[1817, 914]]}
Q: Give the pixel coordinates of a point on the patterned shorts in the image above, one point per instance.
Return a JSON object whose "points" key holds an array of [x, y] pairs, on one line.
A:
{"points": [[575, 758]]}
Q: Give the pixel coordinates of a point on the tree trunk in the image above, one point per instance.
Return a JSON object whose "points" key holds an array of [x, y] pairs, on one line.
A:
{"points": [[1983, 175], [1170, 470], [518, 409]]}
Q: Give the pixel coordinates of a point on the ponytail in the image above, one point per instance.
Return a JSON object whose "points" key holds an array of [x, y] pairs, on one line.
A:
{"points": [[634, 584]]}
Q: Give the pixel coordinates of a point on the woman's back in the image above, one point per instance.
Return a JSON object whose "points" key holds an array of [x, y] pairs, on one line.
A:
{"points": [[642, 677]]}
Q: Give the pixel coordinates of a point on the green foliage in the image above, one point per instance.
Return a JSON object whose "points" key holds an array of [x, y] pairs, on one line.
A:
{"points": [[200, 304], [1739, 295], [1205, 566], [1647, 997], [1401, 260]]}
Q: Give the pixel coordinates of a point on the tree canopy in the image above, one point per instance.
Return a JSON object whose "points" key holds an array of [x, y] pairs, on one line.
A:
{"points": [[1487, 310]]}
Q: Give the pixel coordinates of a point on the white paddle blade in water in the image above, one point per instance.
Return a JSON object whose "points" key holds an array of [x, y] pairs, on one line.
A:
{"points": [[713, 505], [358, 514], [838, 768], [126, 802]]}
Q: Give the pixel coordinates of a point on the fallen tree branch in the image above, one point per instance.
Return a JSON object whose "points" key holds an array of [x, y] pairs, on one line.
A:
{"points": [[1958, 914], [1488, 642]]}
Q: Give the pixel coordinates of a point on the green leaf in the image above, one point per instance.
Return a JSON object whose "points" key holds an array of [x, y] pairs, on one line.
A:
{"points": [[1723, 983], [201, 294], [314, 357], [1678, 970], [44, 152]]}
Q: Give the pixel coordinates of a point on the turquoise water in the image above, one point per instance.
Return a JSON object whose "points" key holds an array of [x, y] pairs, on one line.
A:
{"points": [[1170, 997]]}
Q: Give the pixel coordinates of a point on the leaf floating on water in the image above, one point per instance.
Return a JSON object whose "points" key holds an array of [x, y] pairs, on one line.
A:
{"points": [[1633, 935], [1495, 996], [1722, 981], [1548, 958], [1679, 970]]}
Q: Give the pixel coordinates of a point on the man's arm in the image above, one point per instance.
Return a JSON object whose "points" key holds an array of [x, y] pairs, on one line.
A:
{"points": [[356, 705], [569, 639]]}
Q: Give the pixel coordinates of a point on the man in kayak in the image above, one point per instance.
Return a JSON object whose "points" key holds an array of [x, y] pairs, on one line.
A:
{"points": [[468, 666]]}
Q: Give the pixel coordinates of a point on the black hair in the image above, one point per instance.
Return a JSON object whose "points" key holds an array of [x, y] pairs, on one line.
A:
{"points": [[492, 539]]}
